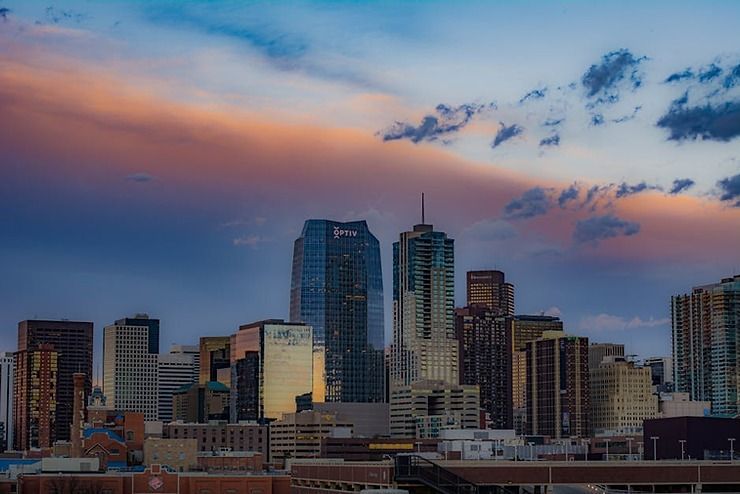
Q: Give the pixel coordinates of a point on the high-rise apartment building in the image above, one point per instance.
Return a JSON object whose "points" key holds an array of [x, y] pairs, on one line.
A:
{"points": [[485, 360], [7, 375], [424, 343], [215, 355], [130, 365], [175, 370], [337, 289], [490, 289], [558, 392], [598, 351], [705, 331], [272, 364], [72, 341], [522, 330], [424, 408], [36, 407], [621, 396]]}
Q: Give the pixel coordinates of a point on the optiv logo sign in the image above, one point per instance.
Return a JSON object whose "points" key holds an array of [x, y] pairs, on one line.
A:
{"points": [[341, 233]]}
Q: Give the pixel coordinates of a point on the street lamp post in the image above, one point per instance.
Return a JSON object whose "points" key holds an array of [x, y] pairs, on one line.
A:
{"points": [[629, 447], [607, 448], [683, 448], [531, 451], [566, 450], [655, 446], [732, 448]]}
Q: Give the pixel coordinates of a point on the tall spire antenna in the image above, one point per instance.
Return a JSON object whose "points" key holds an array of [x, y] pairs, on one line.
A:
{"points": [[422, 209]]}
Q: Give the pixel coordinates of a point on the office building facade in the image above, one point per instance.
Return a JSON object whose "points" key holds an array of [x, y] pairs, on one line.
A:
{"points": [[523, 329], [215, 354], [424, 345], [661, 370], [621, 396], [558, 387], [598, 351], [35, 409], [272, 364], [73, 343], [131, 365], [7, 376], [337, 289], [424, 408], [200, 403], [174, 370], [486, 360], [705, 326], [490, 289]]}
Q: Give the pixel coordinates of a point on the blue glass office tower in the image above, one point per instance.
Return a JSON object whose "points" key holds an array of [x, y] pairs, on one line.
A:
{"points": [[337, 288]]}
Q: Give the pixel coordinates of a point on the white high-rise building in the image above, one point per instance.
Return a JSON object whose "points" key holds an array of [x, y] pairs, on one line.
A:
{"points": [[192, 350], [130, 365], [176, 369], [7, 373]]}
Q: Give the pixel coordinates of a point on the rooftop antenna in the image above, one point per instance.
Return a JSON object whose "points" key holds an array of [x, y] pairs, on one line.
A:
{"points": [[422, 209]]}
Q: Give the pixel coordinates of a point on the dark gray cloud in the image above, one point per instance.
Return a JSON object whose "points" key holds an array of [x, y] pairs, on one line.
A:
{"points": [[730, 189], [4, 11], [505, 133], [680, 76], [593, 230], [602, 79], [533, 202], [681, 185], [568, 195], [732, 78], [140, 177], [718, 122], [552, 122], [446, 120], [627, 118], [55, 15], [553, 140], [597, 119], [709, 73], [534, 94], [624, 189]]}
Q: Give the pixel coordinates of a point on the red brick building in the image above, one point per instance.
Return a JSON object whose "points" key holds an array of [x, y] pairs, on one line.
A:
{"points": [[156, 480]]}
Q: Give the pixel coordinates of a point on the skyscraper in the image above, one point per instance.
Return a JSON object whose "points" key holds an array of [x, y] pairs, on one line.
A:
{"points": [[337, 289], [130, 365], [424, 341], [558, 391], [175, 370], [274, 359], [7, 373], [36, 407], [490, 289], [485, 360], [194, 352], [661, 370], [705, 326], [214, 355], [72, 342], [523, 329]]}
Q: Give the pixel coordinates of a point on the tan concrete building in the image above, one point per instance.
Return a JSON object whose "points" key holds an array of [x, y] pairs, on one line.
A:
{"points": [[679, 405], [621, 396], [422, 409], [598, 351], [299, 435], [180, 454]]}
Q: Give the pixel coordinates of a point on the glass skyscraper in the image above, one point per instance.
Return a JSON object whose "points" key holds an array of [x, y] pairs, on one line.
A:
{"points": [[424, 345], [337, 288]]}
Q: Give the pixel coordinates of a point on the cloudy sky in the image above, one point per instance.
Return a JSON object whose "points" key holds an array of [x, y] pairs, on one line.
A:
{"points": [[161, 157]]}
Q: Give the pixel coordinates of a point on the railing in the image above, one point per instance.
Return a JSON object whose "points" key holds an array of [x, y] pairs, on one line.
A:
{"points": [[416, 468]]}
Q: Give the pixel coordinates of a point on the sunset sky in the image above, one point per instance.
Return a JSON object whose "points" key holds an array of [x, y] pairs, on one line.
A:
{"points": [[162, 157]]}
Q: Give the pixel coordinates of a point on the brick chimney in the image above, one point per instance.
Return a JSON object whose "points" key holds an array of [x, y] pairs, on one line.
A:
{"points": [[78, 414]]}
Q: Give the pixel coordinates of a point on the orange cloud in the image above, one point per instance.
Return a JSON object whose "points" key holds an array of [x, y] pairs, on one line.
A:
{"points": [[67, 118]]}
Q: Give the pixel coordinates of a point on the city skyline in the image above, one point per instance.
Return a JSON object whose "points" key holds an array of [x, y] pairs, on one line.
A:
{"points": [[162, 158]]}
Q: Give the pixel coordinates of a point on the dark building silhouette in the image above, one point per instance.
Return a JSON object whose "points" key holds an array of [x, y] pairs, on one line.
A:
{"points": [[72, 344], [485, 360]]}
